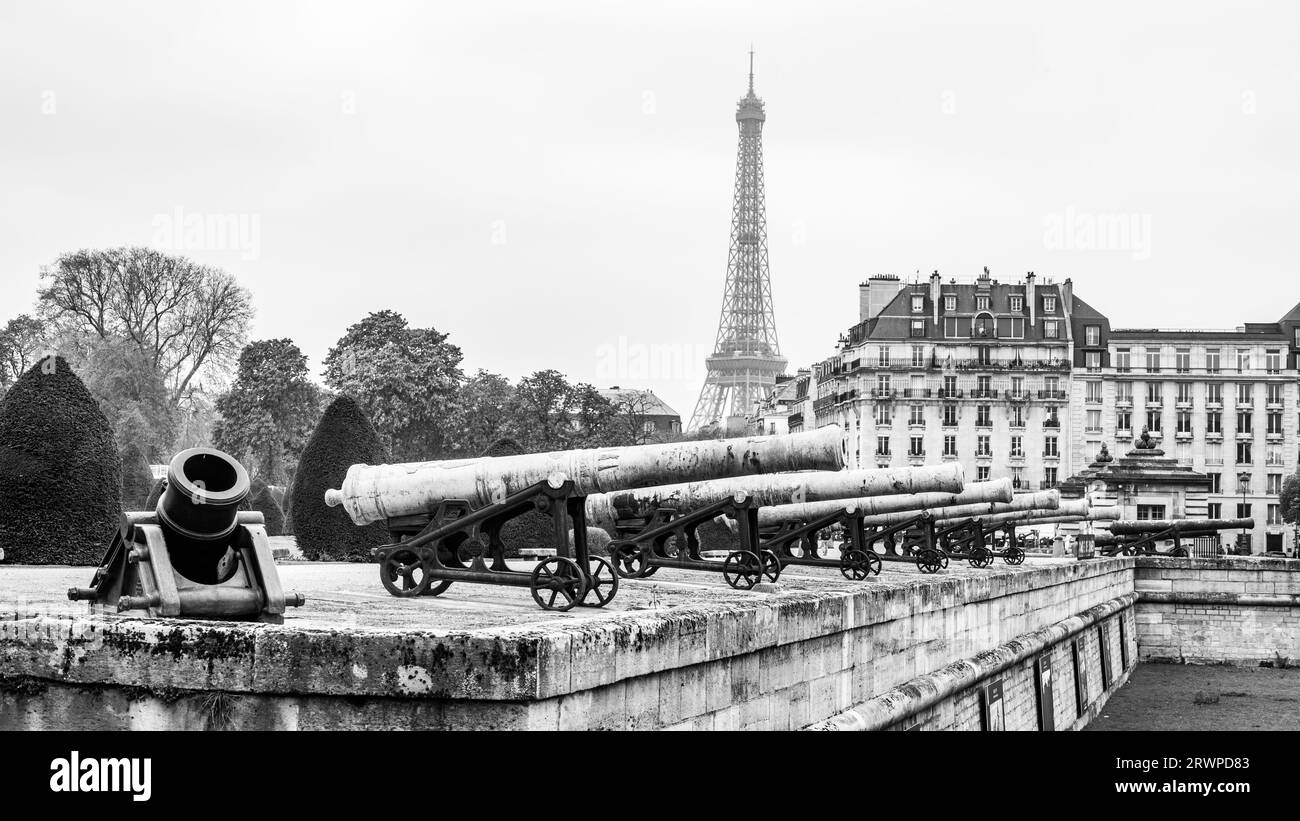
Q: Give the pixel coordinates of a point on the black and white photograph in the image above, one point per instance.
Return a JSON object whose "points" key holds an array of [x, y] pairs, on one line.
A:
{"points": [[557, 366]]}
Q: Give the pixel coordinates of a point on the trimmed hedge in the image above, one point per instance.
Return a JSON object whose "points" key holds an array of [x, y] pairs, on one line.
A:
{"points": [[137, 479], [343, 437], [264, 502], [504, 446], [60, 472]]}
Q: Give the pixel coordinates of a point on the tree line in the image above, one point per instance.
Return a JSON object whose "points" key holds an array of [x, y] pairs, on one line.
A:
{"points": [[161, 342]]}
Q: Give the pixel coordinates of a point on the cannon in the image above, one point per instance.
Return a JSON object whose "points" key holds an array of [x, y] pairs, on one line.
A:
{"points": [[448, 519], [657, 526], [196, 555], [1140, 537], [790, 531]]}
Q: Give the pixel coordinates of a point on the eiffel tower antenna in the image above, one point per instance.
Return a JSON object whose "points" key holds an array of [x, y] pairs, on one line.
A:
{"points": [[746, 356]]}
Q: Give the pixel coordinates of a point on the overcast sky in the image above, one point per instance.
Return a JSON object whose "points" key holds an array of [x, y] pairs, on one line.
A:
{"points": [[541, 179]]}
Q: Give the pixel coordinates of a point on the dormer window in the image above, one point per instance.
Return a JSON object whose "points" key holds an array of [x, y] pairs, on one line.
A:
{"points": [[950, 304], [981, 303], [1049, 304], [1017, 304], [918, 304]]}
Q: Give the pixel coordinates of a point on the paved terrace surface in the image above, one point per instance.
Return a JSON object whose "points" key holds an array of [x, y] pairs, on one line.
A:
{"points": [[350, 596]]}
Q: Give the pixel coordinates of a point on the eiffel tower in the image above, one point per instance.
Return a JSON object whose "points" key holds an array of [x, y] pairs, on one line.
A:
{"points": [[746, 357]]}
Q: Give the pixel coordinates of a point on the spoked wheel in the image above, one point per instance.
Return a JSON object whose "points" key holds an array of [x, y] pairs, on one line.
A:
{"points": [[630, 562], [602, 582], [557, 584], [402, 573], [1013, 556], [771, 566], [856, 565], [981, 557], [742, 570], [929, 560]]}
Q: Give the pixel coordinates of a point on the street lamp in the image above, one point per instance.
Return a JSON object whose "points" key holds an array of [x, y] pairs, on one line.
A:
{"points": [[1243, 484]]}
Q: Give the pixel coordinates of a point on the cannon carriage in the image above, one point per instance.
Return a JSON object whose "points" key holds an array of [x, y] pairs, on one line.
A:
{"points": [[1141, 537]]}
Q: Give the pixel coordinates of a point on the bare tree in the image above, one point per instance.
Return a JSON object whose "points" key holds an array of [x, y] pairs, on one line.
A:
{"points": [[186, 318], [22, 343]]}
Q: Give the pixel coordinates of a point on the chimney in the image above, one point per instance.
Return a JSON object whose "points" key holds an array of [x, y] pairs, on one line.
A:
{"points": [[1029, 297], [864, 301], [1067, 298], [934, 296]]}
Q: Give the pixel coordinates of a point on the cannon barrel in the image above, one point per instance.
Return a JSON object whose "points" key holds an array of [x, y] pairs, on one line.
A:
{"points": [[784, 490], [372, 493], [199, 510], [974, 493], [1054, 517], [1046, 500], [1129, 526]]}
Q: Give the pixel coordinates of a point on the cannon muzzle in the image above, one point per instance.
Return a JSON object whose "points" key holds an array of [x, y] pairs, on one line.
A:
{"points": [[200, 509]]}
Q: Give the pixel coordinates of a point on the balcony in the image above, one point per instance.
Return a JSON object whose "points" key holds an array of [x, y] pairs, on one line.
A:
{"points": [[1214, 404], [949, 457], [1273, 405], [980, 393], [916, 425], [1091, 430], [1046, 485], [1274, 436], [1124, 433], [1245, 403], [1048, 394], [916, 393], [1245, 436], [1052, 423], [984, 456], [1123, 401], [1054, 455], [883, 393], [795, 420], [984, 423], [1016, 425], [1017, 396], [1273, 461], [882, 454], [949, 394], [1017, 457], [914, 454], [1183, 404], [1154, 402], [1183, 436], [1214, 436]]}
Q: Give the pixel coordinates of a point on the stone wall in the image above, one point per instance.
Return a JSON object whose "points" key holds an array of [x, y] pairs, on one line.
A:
{"points": [[1235, 610]]}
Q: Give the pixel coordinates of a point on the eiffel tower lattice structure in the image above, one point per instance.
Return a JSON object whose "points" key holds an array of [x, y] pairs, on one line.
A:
{"points": [[746, 356]]}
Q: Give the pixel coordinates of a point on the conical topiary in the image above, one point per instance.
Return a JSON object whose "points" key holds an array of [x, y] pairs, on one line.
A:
{"points": [[264, 502], [343, 437], [59, 470], [137, 478]]}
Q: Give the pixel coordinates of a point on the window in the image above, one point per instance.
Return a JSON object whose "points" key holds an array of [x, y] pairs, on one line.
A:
{"points": [[1017, 446], [1243, 483], [1213, 422], [1124, 421], [1244, 393], [1275, 423], [1184, 422], [950, 415], [1017, 304], [1093, 424], [883, 383], [1273, 361], [1274, 396], [1243, 422], [1183, 360], [1123, 391], [982, 473], [1216, 483], [1092, 391], [1212, 360], [950, 445], [882, 445], [1017, 386], [985, 356], [1213, 453], [950, 386], [1153, 422], [1017, 417], [1243, 511], [1153, 361], [918, 356], [950, 303], [1150, 512], [1243, 453], [918, 328], [1122, 360], [1273, 484], [1053, 385], [1214, 510], [982, 446], [917, 447], [985, 385], [1051, 420], [884, 415], [1275, 514], [983, 417], [1154, 393], [883, 357], [1214, 394], [1243, 360], [981, 303], [1049, 304], [1017, 477], [918, 304], [1049, 446], [1092, 361], [1049, 329], [1092, 335], [1049, 477], [1184, 391]]}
